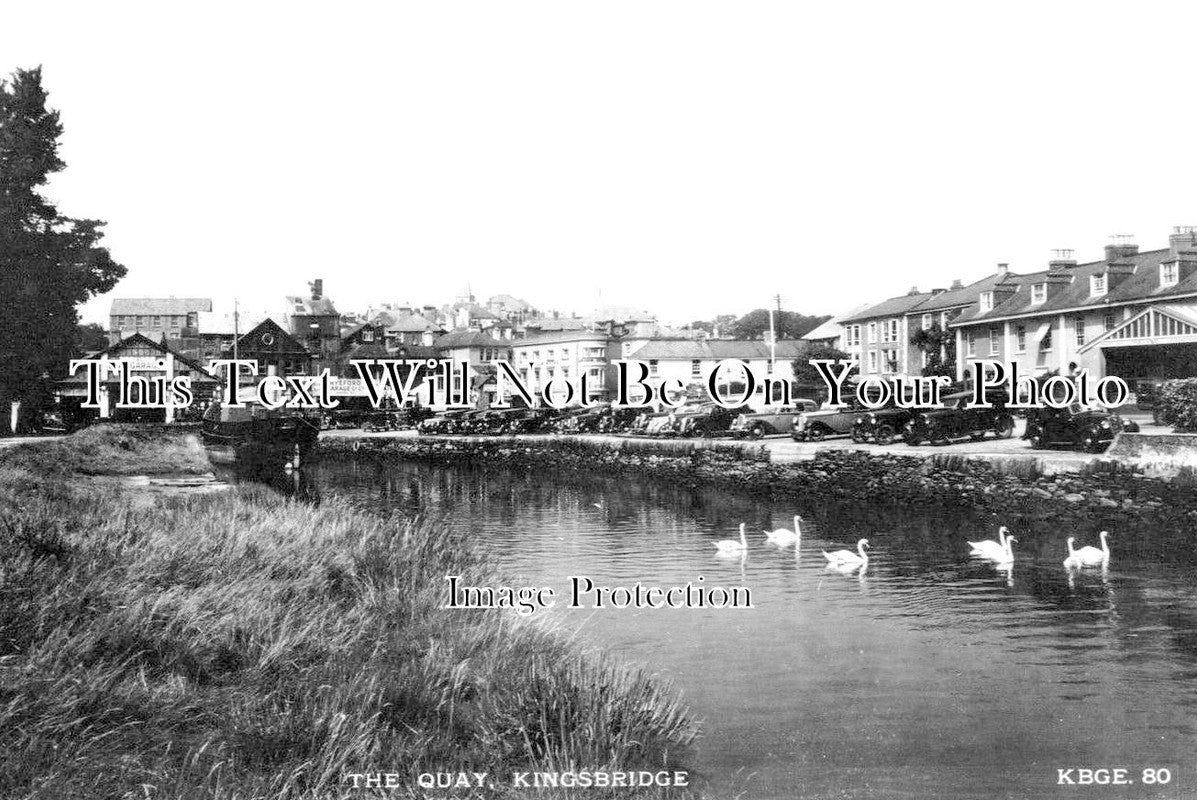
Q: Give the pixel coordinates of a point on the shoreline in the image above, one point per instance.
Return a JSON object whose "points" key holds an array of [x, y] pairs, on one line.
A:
{"points": [[1107, 496]]}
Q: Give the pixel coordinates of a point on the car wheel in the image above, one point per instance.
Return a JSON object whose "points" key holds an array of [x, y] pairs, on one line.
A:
{"points": [[912, 441], [756, 431], [1093, 444], [818, 433], [885, 434], [858, 435], [1005, 428], [1037, 442]]}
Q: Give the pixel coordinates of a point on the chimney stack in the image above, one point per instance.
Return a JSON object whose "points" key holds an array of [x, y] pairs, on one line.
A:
{"points": [[1003, 269], [913, 290], [1120, 248], [1183, 243], [956, 284], [1061, 259], [317, 287]]}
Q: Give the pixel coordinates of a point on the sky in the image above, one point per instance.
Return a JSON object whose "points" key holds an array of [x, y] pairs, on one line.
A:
{"points": [[689, 158]]}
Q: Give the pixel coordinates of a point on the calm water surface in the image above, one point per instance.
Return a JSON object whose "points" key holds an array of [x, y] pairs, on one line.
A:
{"points": [[928, 674]]}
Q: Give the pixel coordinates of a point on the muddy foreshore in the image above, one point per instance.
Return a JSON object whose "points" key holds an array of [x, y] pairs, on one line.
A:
{"points": [[1110, 498]]}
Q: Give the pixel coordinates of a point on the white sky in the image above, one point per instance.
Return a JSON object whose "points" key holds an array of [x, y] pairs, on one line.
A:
{"points": [[692, 158]]}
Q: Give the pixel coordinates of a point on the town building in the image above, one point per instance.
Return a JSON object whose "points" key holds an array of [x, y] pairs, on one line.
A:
{"points": [[567, 355], [314, 321], [936, 314], [691, 361], [1132, 314], [477, 350], [146, 358], [879, 334], [172, 319]]}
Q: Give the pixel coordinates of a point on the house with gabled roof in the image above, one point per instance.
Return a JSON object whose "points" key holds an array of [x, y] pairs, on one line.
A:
{"points": [[170, 318], [881, 333], [1132, 314]]}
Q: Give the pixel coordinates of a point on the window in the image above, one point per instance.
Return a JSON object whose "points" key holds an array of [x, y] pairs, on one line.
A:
{"points": [[891, 361], [927, 322], [176, 322], [1038, 294], [140, 321], [696, 369], [854, 337], [994, 341], [1045, 344], [970, 343], [872, 360], [536, 355], [986, 302], [652, 367], [1079, 323], [367, 335], [1020, 339], [1097, 285], [890, 332], [872, 333], [1109, 323], [924, 355], [1169, 274]]}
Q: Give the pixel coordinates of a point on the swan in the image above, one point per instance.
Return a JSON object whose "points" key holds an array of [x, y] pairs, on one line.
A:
{"points": [[847, 556], [1088, 556], [782, 537], [1007, 554], [731, 545], [989, 547]]}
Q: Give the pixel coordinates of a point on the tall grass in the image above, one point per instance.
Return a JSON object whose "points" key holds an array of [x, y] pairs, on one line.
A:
{"points": [[241, 645]]}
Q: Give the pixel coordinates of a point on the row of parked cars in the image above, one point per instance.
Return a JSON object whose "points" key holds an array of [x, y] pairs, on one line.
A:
{"points": [[1075, 426], [803, 420]]}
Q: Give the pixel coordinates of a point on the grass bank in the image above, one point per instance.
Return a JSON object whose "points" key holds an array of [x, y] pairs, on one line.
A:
{"points": [[241, 645]]}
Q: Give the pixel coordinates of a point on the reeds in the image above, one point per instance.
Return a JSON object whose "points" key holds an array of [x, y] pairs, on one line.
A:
{"points": [[241, 645]]}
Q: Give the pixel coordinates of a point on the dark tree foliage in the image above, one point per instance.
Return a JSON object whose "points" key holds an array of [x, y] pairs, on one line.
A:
{"points": [[90, 338], [788, 324], [806, 375], [940, 347], [49, 263]]}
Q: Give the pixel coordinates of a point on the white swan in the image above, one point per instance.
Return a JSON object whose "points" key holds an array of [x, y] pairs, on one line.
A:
{"points": [[731, 545], [847, 556], [989, 548], [1007, 554], [782, 537], [1088, 556]]}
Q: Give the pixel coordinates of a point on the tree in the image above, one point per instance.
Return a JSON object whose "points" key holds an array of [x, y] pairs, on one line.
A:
{"points": [[49, 263], [940, 347], [805, 374], [89, 338], [788, 324]]}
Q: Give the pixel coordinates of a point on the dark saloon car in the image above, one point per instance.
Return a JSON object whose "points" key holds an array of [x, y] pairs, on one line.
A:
{"points": [[942, 425], [814, 426], [754, 425], [883, 425], [1076, 426]]}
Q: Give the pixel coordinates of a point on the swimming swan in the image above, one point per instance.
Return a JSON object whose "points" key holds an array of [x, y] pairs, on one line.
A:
{"points": [[847, 556], [731, 545], [783, 537], [989, 547], [1007, 554], [1088, 556]]}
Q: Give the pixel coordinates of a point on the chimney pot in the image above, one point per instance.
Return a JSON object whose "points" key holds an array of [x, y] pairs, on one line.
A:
{"points": [[913, 290], [956, 284]]}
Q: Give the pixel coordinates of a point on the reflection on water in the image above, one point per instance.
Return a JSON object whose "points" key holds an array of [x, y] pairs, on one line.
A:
{"points": [[925, 673]]}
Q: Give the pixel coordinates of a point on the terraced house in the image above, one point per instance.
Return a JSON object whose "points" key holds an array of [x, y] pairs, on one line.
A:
{"points": [[881, 335], [1132, 314]]}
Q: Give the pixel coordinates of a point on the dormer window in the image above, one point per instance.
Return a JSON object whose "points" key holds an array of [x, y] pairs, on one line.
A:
{"points": [[1169, 274], [1098, 285], [986, 302], [1038, 294]]}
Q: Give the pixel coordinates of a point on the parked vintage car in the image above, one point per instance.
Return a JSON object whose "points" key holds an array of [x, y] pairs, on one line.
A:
{"points": [[955, 421], [444, 422], [647, 418], [827, 421], [705, 419], [754, 425], [1076, 426], [883, 425]]}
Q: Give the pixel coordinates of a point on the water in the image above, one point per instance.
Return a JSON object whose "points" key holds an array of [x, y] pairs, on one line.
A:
{"points": [[928, 674]]}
